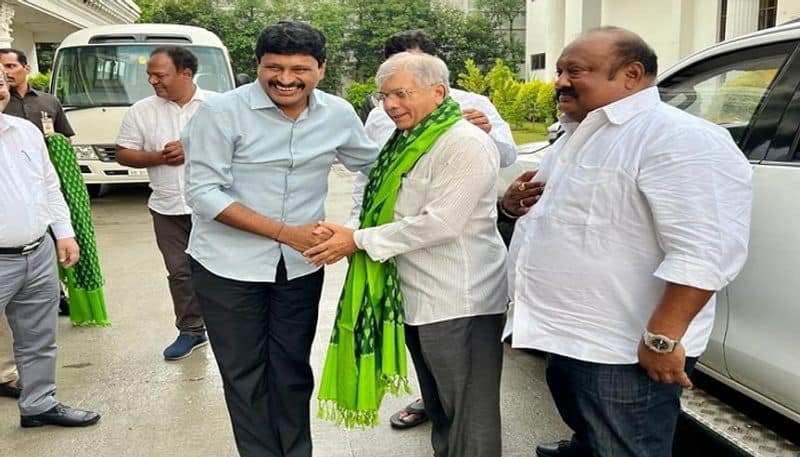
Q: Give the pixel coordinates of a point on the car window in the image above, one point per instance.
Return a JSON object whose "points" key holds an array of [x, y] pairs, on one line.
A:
{"points": [[726, 90]]}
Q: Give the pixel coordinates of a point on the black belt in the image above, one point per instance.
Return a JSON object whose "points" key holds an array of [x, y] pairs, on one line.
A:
{"points": [[24, 249]]}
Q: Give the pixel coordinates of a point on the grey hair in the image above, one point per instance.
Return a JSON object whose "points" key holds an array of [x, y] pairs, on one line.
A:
{"points": [[427, 69]]}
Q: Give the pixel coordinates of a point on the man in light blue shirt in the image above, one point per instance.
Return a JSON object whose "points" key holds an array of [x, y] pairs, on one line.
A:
{"points": [[257, 168]]}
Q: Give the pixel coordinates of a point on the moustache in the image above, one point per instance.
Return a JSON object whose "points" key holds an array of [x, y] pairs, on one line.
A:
{"points": [[568, 92], [275, 83]]}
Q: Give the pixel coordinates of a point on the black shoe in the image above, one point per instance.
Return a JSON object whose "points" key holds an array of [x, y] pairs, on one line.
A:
{"points": [[63, 305], [563, 448], [61, 415], [10, 391]]}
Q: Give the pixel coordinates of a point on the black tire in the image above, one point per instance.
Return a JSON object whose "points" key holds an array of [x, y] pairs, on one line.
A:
{"points": [[94, 190]]}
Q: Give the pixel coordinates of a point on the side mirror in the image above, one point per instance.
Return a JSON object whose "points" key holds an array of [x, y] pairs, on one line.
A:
{"points": [[243, 78]]}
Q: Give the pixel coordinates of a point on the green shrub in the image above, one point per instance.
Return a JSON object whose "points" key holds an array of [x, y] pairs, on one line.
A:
{"points": [[356, 94], [526, 99], [546, 103], [473, 80], [499, 74], [40, 81], [504, 98]]}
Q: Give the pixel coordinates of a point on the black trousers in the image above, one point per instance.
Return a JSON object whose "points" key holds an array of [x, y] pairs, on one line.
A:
{"points": [[261, 333]]}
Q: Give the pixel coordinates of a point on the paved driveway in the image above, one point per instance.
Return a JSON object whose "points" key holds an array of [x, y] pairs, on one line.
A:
{"points": [[154, 408]]}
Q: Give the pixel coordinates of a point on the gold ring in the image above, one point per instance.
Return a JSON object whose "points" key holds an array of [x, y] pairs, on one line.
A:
{"points": [[521, 187], [522, 202]]}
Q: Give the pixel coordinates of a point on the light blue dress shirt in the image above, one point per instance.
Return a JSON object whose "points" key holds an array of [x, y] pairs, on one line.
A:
{"points": [[240, 147]]}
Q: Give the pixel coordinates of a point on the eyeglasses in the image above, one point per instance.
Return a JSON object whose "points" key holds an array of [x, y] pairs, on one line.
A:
{"points": [[397, 94]]}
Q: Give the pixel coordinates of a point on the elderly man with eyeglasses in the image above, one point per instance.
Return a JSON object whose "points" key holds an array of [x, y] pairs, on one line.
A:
{"points": [[428, 224]]}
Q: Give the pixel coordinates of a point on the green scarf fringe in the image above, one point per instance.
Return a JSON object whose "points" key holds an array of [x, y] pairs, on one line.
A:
{"points": [[87, 305]]}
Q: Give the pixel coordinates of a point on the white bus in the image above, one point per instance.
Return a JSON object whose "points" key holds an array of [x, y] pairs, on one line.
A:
{"points": [[100, 71]]}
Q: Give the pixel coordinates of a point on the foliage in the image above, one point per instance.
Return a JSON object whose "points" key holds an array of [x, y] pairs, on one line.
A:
{"points": [[504, 93], [472, 80], [357, 92], [499, 74], [40, 81], [525, 103], [457, 36], [355, 30], [546, 103], [45, 52], [502, 14]]}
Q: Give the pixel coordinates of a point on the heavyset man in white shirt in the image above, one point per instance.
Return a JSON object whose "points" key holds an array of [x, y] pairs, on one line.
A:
{"points": [[149, 137], [645, 214], [30, 203]]}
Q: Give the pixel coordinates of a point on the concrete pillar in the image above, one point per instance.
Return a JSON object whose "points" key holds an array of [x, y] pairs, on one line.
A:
{"points": [[6, 17], [742, 18], [554, 33]]}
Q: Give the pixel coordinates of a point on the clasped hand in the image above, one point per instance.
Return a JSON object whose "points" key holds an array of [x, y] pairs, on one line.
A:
{"points": [[334, 242]]}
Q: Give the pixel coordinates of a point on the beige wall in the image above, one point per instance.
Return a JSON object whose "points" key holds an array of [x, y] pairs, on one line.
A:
{"points": [[24, 41]]}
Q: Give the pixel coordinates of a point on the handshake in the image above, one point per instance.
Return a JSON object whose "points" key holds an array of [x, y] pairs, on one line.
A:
{"points": [[322, 243]]}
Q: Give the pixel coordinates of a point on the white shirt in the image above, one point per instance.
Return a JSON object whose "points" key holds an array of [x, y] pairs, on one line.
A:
{"points": [[30, 194], [379, 127], [638, 194], [150, 124], [450, 257]]}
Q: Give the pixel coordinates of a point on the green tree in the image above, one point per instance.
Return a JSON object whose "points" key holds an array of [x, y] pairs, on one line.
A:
{"points": [[457, 36], [503, 14], [472, 79]]}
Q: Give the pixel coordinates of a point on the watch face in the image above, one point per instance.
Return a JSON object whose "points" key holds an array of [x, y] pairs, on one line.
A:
{"points": [[660, 344]]}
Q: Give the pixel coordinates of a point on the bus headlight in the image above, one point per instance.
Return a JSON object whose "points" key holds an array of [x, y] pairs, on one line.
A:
{"points": [[85, 152]]}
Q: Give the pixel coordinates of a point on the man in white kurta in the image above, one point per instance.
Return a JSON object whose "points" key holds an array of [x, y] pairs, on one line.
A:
{"points": [[645, 214]]}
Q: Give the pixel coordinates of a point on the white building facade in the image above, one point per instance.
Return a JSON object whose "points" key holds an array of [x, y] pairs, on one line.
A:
{"points": [[23, 23], [674, 28]]}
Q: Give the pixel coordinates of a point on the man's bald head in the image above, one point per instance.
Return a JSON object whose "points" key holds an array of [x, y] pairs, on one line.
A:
{"points": [[628, 47], [600, 67]]}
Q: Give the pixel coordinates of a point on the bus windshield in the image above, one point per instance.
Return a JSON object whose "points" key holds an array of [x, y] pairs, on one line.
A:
{"points": [[116, 75]]}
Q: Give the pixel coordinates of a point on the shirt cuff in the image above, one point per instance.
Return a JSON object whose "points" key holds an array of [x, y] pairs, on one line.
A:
{"points": [[691, 272], [358, 239], [211, 204], [62, 230]]}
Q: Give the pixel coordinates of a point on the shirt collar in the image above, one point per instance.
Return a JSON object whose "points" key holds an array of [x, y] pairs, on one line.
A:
{"points": [[199, 95], [622, 110], [260, 100], [31, 91]]}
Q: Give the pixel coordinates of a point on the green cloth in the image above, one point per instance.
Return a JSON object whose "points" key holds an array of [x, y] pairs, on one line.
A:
{"points": [[367, 355], [84, 280]]}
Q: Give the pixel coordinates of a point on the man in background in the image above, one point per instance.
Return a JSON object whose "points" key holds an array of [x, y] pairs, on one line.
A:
{"points": [[149, 137]]}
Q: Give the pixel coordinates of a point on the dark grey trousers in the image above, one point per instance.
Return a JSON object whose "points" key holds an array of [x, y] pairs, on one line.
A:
{"points": [[172, 237], [29, 297], [458, 364]]}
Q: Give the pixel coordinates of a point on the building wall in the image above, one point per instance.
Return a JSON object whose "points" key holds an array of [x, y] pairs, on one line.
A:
{"points": [[23, 23], [674, 28]]}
